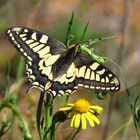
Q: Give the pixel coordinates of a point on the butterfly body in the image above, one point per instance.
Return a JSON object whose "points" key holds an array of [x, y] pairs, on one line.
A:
{"points": [[57, 69]]}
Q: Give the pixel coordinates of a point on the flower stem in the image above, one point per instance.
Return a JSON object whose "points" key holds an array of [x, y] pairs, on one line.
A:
{"points": [[75, 133], [132, 109], [122, 127], [38, 116], [48, 115], [22, 123]]}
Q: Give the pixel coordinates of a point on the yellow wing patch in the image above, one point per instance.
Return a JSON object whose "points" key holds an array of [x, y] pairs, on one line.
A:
{"points": [[67, 77]]}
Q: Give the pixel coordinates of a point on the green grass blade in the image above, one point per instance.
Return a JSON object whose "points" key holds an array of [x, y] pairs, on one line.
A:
{"points": [[93, 41], [7, 87], [84, 32], [67, 41]]}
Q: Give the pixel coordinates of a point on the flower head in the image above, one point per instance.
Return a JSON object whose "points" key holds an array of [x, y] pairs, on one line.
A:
{"points": [[82, 111]]}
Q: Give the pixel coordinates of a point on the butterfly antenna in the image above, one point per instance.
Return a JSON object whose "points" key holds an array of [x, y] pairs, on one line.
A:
{"points": [[77, 44]]}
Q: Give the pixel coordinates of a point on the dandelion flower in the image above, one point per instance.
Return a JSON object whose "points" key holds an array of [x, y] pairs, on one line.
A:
{"points": [[82, 111]]}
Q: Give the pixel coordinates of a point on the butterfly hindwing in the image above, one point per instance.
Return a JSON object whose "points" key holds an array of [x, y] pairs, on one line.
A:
{"points": [[60, 85], [95, 76]]}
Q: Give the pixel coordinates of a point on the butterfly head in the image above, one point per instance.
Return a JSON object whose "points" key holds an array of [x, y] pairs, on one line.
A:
{"points": [[75, 48]]}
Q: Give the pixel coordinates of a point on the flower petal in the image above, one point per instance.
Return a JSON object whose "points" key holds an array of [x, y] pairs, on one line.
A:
{"points": [[92, 111], [83, 121], [65, 108], [72, 121], [94, 118], [98, 109], [89, 118], [77, 120], [70, 114], [70, 105]]}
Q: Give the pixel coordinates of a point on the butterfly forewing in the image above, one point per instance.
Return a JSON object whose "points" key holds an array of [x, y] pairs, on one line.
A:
{"points": [[34, 44]]}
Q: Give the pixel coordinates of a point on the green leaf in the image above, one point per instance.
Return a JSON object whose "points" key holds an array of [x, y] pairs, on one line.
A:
{"points": [[101, 95]]}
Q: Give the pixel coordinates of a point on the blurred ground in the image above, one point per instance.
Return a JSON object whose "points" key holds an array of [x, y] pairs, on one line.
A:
{"points": [[107, 17]]}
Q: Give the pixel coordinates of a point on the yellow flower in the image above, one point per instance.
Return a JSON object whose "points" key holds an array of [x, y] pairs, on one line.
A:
{"points": [[80, 112]]}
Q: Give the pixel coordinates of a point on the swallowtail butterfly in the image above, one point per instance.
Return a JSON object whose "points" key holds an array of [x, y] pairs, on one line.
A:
{"points": [[58, 69]]}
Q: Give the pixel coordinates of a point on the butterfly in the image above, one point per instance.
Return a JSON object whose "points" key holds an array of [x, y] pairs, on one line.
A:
{"points": [[58, 69]]}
